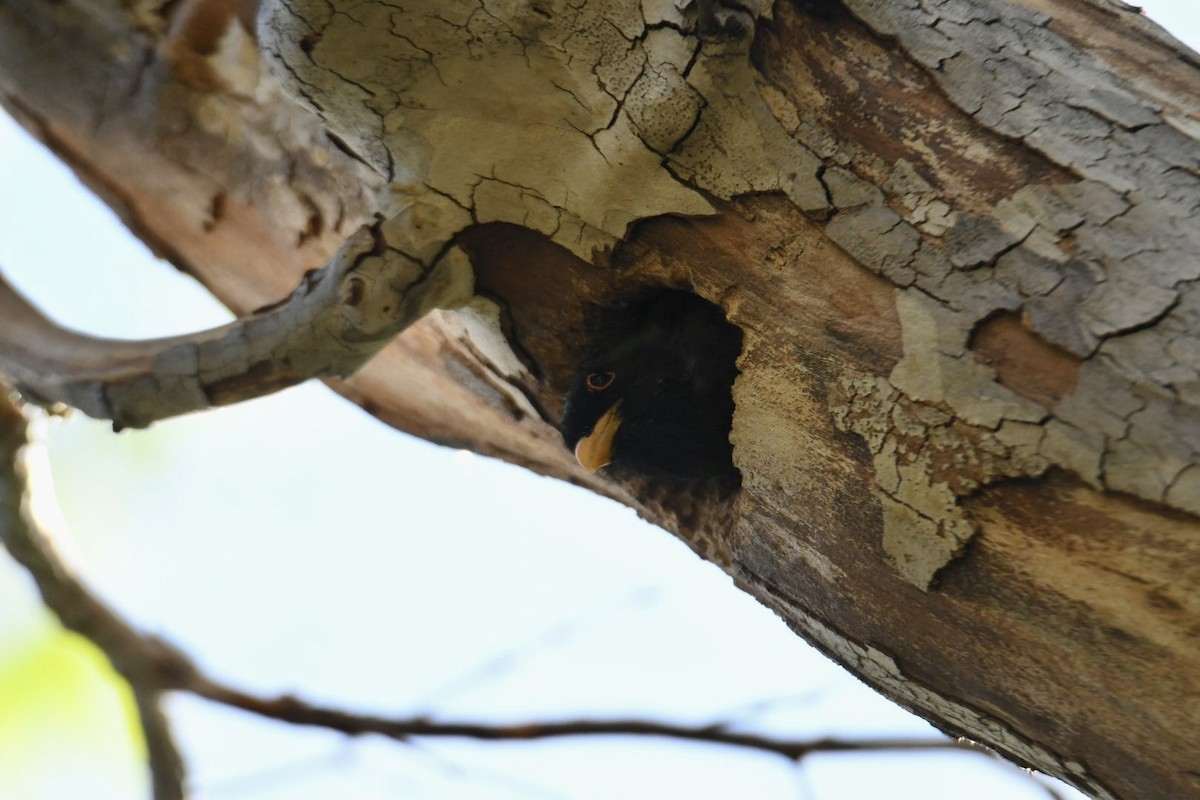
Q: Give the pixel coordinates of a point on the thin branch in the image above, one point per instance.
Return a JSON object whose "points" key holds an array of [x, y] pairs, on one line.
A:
{"points": [[555, 636], [274, 778], [297, 712], [457, 769], [167, 770], [335, 320], [147, 663]]}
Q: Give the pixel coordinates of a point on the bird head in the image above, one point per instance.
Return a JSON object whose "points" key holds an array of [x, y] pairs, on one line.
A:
{"points": [[656, 397], [593, 417]]}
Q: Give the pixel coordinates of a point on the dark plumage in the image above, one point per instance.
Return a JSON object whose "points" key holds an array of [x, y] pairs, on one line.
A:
{"points": [[655, 399]]}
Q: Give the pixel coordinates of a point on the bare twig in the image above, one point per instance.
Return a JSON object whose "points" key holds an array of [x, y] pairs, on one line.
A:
{"points": [[332, 324], [147, 663], [459, 770], [297, 712], [167, 769], [557, 635]]}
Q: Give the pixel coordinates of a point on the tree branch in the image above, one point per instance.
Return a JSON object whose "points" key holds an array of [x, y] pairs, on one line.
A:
{"points": [[167, 768], [335, 320], [297, 712], [147, 663]]}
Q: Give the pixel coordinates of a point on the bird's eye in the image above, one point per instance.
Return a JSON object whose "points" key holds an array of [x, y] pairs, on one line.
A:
{"points": [[599, 381]]}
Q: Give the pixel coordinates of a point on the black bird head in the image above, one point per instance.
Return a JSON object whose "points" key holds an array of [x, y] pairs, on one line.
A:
{"points": [[656, 398]]}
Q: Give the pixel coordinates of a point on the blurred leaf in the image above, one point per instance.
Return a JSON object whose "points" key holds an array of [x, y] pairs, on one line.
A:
{"points": [[66, 720]]}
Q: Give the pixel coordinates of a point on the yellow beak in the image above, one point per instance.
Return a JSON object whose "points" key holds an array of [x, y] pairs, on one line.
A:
{"points": [[595, 450]]}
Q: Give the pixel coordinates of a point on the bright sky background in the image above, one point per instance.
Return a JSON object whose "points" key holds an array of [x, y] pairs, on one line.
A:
{"points": [[295, 544]]}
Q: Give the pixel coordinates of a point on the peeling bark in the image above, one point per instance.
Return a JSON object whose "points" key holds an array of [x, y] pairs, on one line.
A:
{"points": [[957, 237]]}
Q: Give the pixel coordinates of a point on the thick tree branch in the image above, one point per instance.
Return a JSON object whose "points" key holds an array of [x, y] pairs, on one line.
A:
{"points": [[331, 324], [957, 237]]}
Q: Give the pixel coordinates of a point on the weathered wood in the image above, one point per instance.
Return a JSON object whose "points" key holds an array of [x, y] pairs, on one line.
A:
{"points": [[333, 323], [956, 235]]}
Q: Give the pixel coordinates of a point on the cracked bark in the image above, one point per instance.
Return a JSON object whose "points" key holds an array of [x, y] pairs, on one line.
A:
{"points": [[957, 237]]}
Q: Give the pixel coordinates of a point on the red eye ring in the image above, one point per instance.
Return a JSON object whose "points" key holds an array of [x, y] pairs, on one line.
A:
{"points": [[599, 381]]}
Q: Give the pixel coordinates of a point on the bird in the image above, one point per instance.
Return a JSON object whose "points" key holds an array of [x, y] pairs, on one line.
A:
{"points": [[654, 397]]}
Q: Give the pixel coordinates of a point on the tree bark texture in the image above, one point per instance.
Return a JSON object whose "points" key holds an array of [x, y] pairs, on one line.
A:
{"points": [[957, 236]]}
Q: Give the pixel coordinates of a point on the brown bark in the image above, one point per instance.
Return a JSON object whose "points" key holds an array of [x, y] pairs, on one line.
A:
{"points": [[957, 238]]}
